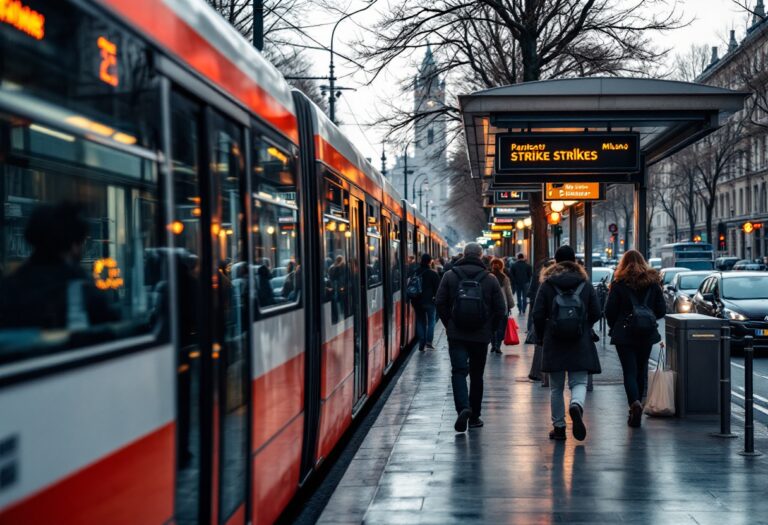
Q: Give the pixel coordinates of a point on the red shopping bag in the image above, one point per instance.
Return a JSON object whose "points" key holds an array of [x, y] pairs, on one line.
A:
{"points": [[510, 334]]}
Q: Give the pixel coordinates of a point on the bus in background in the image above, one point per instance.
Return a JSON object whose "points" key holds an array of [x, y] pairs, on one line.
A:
{"points": [[691, 255]]}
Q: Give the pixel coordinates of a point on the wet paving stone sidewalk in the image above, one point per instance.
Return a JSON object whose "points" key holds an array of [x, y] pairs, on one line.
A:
{"points": [[414, 468]]}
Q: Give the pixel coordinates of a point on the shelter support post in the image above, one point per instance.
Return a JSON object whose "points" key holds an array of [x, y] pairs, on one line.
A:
{"points": [[641, 212], [588, 238], [573, 234]]}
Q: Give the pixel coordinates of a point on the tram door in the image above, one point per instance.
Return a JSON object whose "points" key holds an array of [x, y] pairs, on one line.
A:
{"points": [[359, 297], [212, 287]]}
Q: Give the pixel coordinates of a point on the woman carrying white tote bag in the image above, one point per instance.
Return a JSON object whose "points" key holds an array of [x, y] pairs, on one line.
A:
{"points": [[661, 389]]}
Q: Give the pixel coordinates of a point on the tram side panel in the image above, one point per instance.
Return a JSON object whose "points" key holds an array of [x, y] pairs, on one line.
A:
{"points": [[375, 309], [278, 351]]}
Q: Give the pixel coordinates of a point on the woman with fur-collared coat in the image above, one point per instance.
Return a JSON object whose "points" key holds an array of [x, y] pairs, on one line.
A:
{"points": [[577, 356], [633, 279]]}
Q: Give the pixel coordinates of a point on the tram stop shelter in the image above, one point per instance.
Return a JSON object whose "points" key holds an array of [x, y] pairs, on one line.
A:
{"points": [[607, 130]]}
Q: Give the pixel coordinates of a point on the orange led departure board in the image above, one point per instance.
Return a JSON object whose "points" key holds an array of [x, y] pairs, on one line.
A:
{"points": [[108, 67]]}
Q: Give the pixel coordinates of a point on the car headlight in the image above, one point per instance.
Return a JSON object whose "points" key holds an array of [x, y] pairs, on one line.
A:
{"points": [[734, 316], [683, 304]]}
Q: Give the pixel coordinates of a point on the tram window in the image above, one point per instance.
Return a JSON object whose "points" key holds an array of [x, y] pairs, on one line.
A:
{"points": [[80, 256], [275, 230], [373, 235], [394, 255], [337, 240]]}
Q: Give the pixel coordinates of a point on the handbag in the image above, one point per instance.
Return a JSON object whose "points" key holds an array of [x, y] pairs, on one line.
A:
{"points": [[661, 389], [510, 334], [530, 337]]}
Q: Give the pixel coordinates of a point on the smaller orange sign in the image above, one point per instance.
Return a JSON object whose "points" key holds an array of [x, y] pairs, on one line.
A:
{"points": [[572, 191], [501, 227]]}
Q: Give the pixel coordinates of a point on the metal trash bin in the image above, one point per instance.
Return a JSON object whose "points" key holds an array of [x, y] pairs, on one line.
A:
{"points": [[693, 352]]}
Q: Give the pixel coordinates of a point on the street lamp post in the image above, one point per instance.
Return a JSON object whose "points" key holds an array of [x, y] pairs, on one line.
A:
{"points": [[406, 171], [413, 187], [423, 188]]}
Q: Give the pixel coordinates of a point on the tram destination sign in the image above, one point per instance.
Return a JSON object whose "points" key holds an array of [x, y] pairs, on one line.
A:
{"points": [[567, 153]]}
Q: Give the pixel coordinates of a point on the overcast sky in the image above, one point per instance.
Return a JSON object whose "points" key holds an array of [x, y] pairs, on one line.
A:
{"points": [[712, 20]]}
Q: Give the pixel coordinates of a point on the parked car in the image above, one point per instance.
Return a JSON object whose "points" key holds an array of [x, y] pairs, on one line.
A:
{"points": [[668, 273], [746, 265], [742, 299], [725, 263], [678, 293], [655, 262]]}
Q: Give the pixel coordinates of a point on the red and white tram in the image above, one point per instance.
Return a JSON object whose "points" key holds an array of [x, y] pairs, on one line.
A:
{"points": [[200, 277]]}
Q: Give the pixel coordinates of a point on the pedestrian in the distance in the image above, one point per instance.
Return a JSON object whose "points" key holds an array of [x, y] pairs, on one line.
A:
{"points": [[497, 269], [470, 304], [566, 307], [424, 305], [521, 277], [635, 301]]}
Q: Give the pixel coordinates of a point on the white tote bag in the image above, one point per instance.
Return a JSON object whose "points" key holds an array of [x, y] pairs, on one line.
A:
{"points": [[661, 389]]}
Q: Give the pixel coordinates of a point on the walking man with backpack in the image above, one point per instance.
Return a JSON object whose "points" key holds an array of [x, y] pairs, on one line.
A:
{"points": [[470, 304], [565, 309]]}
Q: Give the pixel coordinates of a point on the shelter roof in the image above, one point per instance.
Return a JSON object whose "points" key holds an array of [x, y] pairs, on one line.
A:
{"points": [[668, 115]]}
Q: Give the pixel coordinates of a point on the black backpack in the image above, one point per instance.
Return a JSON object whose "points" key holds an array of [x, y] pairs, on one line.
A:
{"points": [[641, 322], [414, 288], [568, 317], [468, 312]]}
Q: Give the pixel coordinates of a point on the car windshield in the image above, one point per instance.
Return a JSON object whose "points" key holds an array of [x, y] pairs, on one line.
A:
{"points": [[601, 274], [669, 274], [691, 282], [747, 287]]}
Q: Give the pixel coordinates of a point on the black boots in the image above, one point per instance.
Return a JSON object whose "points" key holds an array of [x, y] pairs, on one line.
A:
{"points": [[557, 433], [577, 413], [461, 421], [635, 414]]}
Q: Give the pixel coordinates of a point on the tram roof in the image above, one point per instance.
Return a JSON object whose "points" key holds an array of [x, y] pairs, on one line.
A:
{"points": [[668, 115]]}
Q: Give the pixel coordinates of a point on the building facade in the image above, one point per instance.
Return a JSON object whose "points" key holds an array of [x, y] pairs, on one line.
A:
{"points": [[427, 150], [740, 195]]}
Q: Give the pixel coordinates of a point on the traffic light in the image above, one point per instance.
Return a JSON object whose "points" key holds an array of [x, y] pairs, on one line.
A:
{"points": [[722, 237], [749, 227]]}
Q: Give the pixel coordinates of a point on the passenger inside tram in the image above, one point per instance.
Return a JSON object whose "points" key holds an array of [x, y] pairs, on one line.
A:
{"points": [[50, 290]]}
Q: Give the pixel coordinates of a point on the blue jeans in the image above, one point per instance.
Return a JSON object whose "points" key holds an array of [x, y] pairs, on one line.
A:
{"points": [[577, 382], [467, 359], [521, 290], [425, 324]]}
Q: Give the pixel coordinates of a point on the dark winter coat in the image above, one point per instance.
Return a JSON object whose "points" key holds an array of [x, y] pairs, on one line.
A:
{"points": [[619, 304], [495, 307], [430, 281], [521, 273], [570, 356]]}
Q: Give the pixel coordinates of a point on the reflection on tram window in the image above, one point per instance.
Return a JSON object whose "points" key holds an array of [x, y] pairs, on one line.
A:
{"points": [[394, 256], [373, 252], [275, 228], [79, 262], [337, 241]]}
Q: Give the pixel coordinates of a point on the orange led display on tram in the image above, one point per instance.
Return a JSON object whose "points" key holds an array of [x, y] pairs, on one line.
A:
{"points": [[23, 18], [108, 67]]}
